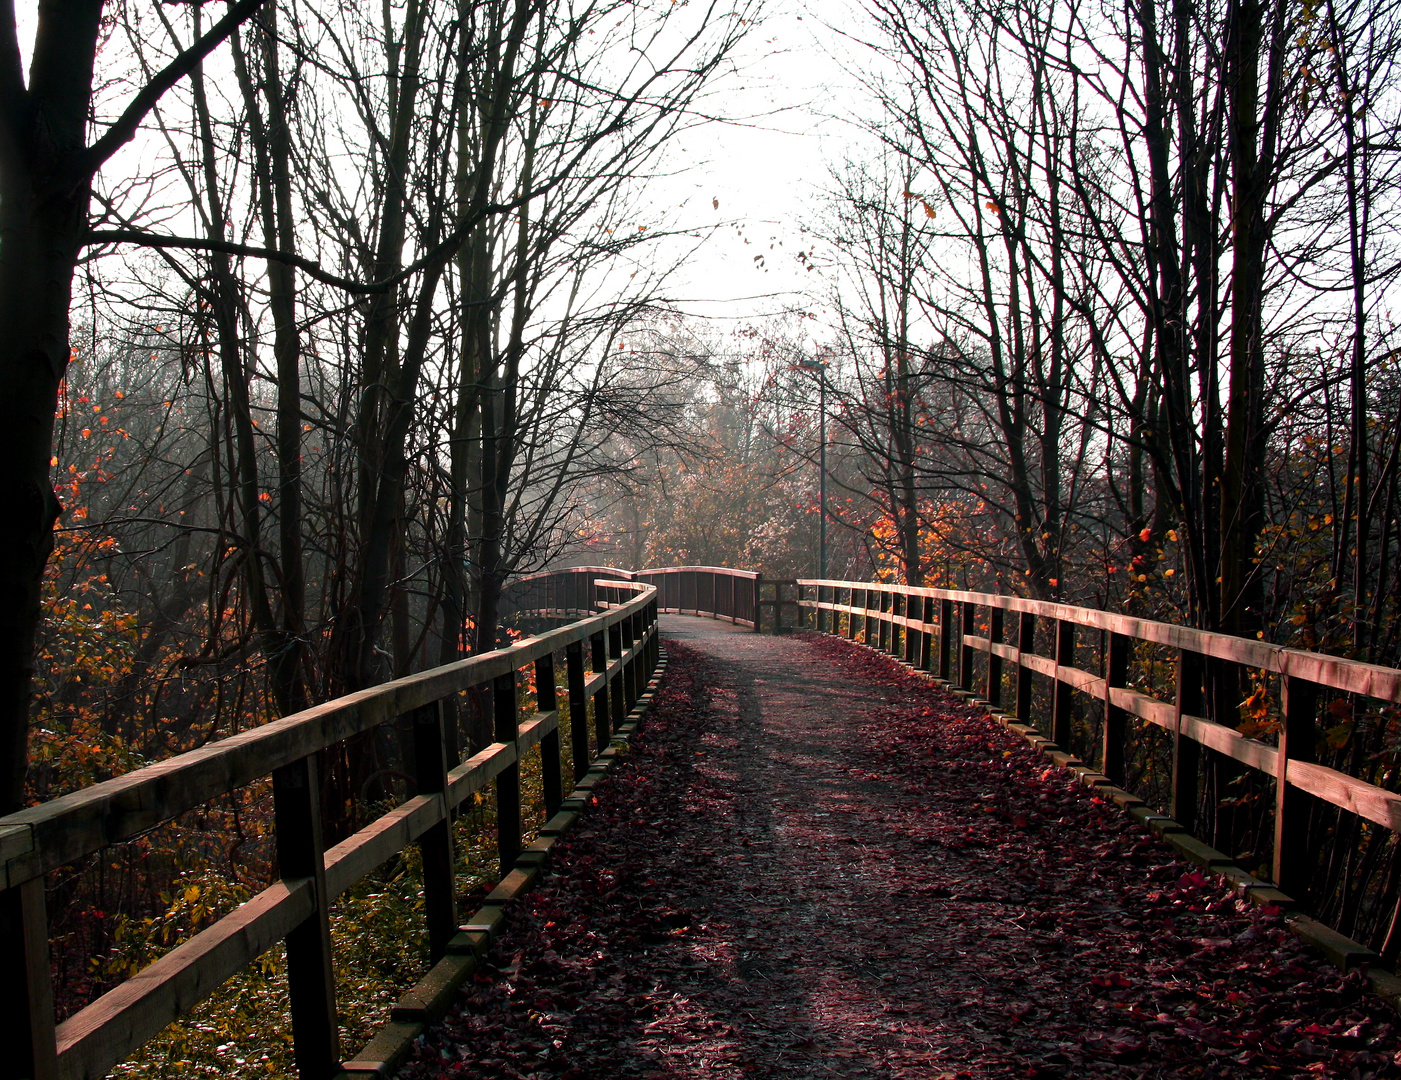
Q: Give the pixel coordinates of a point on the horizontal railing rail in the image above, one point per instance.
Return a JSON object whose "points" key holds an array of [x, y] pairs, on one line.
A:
{"points": [[623, 651], [714, 591], [937, 630]]}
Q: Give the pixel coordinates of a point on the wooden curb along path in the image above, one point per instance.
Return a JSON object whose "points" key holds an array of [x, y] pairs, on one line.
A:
{"points": [[429, 1001]]}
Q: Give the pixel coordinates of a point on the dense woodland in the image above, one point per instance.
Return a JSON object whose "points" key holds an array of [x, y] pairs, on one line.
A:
{"points": [[319, 323]]}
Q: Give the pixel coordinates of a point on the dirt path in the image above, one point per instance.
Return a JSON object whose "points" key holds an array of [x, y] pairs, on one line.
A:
{"points": [[816, 865]]}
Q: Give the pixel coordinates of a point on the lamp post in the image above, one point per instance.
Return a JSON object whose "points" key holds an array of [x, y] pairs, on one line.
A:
{"points": [[820, 366]]}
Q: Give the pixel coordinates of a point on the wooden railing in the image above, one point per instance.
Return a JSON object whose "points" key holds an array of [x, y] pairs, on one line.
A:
{"points": [[716, 592], [623, 650], [942, 631]]}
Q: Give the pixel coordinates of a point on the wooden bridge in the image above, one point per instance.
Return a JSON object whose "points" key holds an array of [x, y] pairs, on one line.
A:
{"points": [[1053, 675]]}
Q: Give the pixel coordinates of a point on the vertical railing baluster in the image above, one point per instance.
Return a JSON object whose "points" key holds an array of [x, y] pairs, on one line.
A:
{"points": [[1065, 658], [994, 683], [1296, 743], [551, 764], [435, 845], [578, 707], [311, 983], [1026, 646], [628, 676], [601, 715], [1116, 673], [27, 1021], [945, 639], [508, 781], [926, 637], [966, 621], [1186, 752], [617, 692]]}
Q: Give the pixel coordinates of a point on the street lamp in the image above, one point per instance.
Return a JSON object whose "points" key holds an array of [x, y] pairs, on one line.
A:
{"points": [[820, 366]]}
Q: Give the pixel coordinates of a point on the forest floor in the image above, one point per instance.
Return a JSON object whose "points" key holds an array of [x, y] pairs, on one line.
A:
{"points": [[816, 864]]}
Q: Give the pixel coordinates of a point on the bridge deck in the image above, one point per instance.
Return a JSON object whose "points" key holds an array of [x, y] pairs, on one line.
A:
{"points": [[817, 864]]}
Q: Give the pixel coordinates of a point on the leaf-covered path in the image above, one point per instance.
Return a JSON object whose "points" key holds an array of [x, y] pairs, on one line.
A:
{"points": [[815, 864]]}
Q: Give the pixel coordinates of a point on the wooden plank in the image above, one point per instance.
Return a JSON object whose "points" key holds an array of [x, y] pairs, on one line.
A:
{"points": [[578, 706], [1189, 700], [535, 729], [1026, 643], [27, 1020], [1361, 798], [435, 845], [1062, 686], [378, 842], [1299, 710], [117, 1023], [506, 720], [474, 773], [547, 710], [1004, 651], [1232, 743], [311, 980], [1116, 664]]}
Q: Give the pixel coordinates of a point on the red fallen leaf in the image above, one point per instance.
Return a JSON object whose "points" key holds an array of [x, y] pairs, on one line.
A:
{"points": [[1119, 1043], [1020, 821], [1115, 981]]}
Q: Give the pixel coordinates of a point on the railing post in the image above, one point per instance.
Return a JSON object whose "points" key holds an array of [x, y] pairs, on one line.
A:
{"points": [[994, 685], [758, 606], [311, 982], [27, 1021], [1116, 673], [508, 781], [887, 625], [629, 672], [1186, 752], [435, 845], [578, 707], [967, 617], [1026, 643], [912, 604], [1065, 657], [599, 653], [1296, 743], [617, 693], [945, 639], [926, 637], [547, 700]]}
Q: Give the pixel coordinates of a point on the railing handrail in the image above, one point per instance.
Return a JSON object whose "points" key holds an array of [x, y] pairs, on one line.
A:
{"points": [[44, 837], [1334, 672], [726, 570]]}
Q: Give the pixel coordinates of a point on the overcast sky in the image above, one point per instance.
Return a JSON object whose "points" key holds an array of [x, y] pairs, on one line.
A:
{"points": [[768, 169]]}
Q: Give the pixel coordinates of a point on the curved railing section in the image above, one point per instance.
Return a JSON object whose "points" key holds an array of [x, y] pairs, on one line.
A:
{"points": [[716, 592], [987, 644], [619, 644]]}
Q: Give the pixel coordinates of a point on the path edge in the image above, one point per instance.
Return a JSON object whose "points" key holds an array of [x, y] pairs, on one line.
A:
{"points": [[429, 1000]]}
